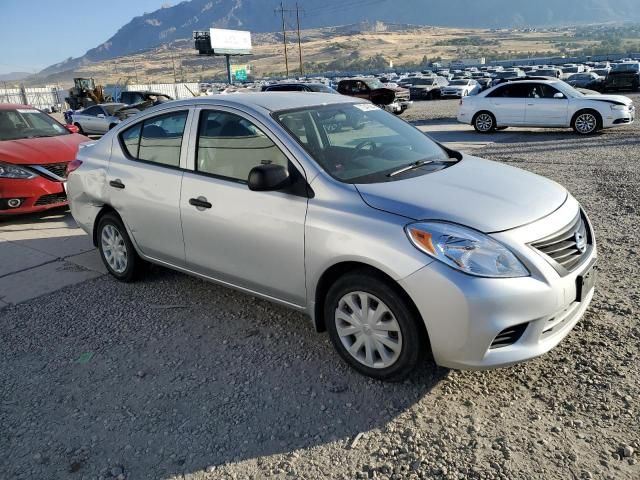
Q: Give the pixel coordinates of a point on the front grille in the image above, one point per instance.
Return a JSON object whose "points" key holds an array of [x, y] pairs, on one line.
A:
{"points": [[51, 199], [567, 249], [59, 169], [508, 336]]}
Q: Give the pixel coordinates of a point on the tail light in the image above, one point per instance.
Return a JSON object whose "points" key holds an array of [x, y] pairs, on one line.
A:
{"points": [[73, 166]]}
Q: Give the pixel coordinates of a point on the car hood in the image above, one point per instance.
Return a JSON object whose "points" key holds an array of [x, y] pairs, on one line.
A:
{"points": [[618, 99], [481, 194], [44, 150]]}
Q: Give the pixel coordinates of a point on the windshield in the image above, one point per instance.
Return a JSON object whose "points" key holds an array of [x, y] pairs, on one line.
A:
{"points": [[459, 82], [28, 123], [361, 143], [602, 72], [546, 73], [568, 90], [570, 69], [424, 81], [625, 67], [374, 83], [506, 74]]}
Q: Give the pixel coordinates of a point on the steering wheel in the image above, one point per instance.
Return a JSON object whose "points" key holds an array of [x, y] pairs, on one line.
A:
{"points": [[361, 145]]}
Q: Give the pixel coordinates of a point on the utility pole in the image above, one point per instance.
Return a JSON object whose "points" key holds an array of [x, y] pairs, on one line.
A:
{"points": [[299, 42], [284, 35], [135, 68]]}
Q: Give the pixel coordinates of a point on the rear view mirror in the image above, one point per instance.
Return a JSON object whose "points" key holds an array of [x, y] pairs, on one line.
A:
{"points": [[559, 95], [268, 177]]}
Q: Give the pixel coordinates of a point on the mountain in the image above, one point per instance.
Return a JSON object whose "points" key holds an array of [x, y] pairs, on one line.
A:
{"points": [[179, 21], [13, 76]]}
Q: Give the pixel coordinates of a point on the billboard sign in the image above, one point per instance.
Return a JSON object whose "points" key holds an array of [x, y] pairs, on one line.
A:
{"points": [[230, 42]]}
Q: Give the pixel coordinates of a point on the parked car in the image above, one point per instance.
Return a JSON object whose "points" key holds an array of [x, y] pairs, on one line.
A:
{"points": [[544, 103], [298, 87], [545, 72], [99, 119], [590, 81], [498, 77], [461, 88], [623, 76], [135, 97], [34, 153], [395, 100], [341, 225], [427, 88]]}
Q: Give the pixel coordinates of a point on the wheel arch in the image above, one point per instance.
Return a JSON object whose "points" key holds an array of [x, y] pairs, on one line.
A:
{"points": [[598, 114], [335, 271]]}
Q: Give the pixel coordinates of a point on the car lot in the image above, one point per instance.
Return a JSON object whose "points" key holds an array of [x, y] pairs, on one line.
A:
{"points": [[171, 377]]}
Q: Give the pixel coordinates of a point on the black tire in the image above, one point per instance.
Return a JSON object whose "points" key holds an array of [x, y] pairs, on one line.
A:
{"points": [[414, 341], [636, 86], [134, 264], [80, 130], [586, 122], [484, 122]]}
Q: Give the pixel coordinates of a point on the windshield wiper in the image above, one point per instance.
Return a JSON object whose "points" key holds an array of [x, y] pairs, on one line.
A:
{"points": [[411, 166]]}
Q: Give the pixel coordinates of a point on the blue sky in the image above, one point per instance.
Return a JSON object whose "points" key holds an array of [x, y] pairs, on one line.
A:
{"points": [[36, 33]]}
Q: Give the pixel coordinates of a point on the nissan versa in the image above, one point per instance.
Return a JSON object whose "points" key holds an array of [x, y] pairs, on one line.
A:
{"points": [[329, 205]]}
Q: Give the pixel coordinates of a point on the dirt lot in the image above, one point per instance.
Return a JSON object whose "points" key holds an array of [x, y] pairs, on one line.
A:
{"points": [[173, 377]]}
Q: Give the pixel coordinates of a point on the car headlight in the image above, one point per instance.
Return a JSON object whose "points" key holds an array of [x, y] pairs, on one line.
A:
{"points": [[465, 249], [618, 107], [13, 171]]}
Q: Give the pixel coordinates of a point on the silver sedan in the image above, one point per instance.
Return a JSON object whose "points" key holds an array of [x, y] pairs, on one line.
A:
{"points": [[393, 243], [98, 119]]}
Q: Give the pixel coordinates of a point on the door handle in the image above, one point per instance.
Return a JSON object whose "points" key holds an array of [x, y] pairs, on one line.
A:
{"points": [[200, 203], [117, 183]]}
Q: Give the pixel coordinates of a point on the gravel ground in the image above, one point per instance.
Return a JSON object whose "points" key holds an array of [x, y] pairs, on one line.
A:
{"points": [[173, 377]]}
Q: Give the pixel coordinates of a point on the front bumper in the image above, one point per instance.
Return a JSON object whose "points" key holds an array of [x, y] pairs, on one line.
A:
{"points": [[464, 314], [619, 117], [36, 195], [452, 94]]}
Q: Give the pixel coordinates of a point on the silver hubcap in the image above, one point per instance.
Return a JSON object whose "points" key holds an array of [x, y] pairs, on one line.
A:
{"points": [[368, 330], [586, 123], [484, 122], [114, 249]]}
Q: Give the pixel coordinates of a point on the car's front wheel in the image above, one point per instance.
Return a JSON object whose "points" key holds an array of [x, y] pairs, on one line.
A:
{"points": [[373, 328], [586, 122], [484, 122], [80, 130], [116, 249]]}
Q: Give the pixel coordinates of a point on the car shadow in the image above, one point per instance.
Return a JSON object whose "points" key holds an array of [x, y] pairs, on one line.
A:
{"points": [[173, 374]]}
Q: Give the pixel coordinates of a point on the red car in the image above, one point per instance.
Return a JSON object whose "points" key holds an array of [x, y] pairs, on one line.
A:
{"points": [[34, 153]]}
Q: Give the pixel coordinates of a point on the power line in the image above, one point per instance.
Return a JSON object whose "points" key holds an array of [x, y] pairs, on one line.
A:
{"points": [[284, 36]]}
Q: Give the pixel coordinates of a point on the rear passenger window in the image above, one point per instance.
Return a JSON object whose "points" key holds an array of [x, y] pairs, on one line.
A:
{"points": [[157, 139], [230, 146]]}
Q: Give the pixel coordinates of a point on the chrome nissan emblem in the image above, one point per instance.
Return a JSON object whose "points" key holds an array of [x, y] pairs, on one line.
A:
{"points": [[581, 242]]}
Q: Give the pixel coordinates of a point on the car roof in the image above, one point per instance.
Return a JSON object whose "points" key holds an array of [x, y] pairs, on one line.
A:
{"points": [[273, 101]]}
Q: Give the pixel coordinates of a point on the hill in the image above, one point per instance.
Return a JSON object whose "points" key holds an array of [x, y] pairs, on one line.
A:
{"points": [[178, 22]]}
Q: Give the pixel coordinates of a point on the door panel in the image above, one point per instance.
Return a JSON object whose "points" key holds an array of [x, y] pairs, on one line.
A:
{"points": [[254, 240], [547, 112], [149, 203], [508, 111]]}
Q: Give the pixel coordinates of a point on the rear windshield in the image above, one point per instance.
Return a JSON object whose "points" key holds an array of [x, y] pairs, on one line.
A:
{"points": [[625, 67]]}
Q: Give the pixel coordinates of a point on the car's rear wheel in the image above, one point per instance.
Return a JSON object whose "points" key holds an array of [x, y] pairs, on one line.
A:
{"points": [[484, 122], [373, 328], [586, 122], [116, 249], [80, 130]]}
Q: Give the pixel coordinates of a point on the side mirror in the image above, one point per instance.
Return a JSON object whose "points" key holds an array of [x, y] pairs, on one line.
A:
{"points": [[559, 95], [72, 128], [101, 115], [270, 177]]}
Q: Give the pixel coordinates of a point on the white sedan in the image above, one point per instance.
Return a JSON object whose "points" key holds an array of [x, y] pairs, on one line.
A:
{"points": [[461, 88], [544, 103]]}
